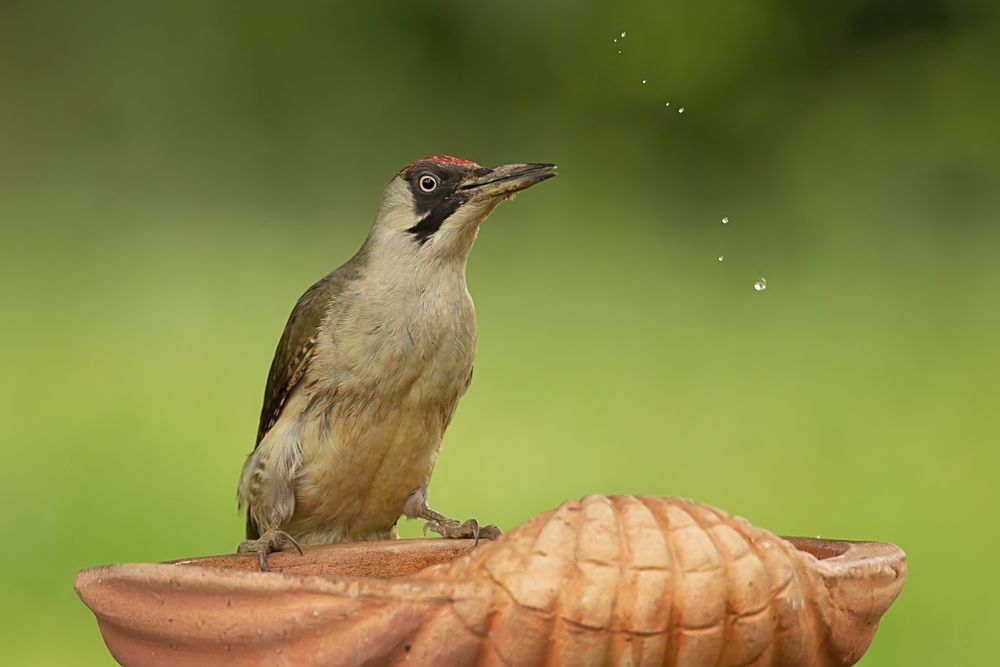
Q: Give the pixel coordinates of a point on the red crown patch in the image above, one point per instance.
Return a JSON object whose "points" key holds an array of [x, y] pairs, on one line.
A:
{"points": [[446, 159]]}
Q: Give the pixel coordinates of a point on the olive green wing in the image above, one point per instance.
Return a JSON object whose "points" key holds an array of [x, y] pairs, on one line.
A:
{"points": [[295, 349], [298, 340], [291, 359]]}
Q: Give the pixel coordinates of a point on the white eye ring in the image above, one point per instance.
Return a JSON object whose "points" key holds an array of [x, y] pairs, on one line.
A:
{"points": [[428, 183]]}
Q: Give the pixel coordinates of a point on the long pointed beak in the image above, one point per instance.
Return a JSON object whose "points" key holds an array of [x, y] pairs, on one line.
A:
{"points": [[509, 178]]}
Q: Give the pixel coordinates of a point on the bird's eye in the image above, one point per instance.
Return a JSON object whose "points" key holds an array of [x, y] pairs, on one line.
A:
{"points": [[428, 183]]}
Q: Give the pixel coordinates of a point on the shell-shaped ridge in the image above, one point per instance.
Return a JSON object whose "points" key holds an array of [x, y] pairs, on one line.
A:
{"points": [[657, 577]]}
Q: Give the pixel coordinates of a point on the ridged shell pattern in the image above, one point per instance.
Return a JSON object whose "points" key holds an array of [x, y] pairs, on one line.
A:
{"points": [[649, 581], [627, 580]]}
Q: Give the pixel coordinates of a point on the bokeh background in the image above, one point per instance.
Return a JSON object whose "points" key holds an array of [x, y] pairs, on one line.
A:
{"points": [[174, 174]]}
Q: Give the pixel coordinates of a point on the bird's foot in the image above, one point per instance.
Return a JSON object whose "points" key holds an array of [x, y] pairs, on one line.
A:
{"points": [[271, 541], [454, 529]]}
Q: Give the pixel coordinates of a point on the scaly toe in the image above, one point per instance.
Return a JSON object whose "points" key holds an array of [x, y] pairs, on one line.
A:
{"points": [[490, 532], [452, 529], [448, 528], [444, 527], [247, 546], [272, 540]]}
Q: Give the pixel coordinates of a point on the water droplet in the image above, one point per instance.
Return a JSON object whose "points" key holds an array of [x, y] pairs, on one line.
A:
{"points": [[721, 257], [623, 33], [725, 221], [619, 51], [616, 40], [760, 284], [681, 110], [644, 82], [667, 104]]}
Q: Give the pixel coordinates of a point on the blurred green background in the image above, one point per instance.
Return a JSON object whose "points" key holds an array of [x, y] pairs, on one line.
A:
{"points": [[174, 174]]}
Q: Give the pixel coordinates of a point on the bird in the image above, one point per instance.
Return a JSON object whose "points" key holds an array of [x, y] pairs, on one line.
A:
{"points": [[370, 368]]}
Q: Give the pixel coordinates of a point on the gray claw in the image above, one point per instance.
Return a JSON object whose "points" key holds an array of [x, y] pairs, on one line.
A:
{"points": [[292, 540], [472, 525]]}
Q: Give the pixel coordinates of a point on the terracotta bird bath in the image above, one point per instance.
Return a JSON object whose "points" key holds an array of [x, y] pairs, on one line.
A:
{"points": [[602, 581]]}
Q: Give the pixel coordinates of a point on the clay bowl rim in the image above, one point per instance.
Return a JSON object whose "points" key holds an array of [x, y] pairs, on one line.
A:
{"points": [[402, 558]]}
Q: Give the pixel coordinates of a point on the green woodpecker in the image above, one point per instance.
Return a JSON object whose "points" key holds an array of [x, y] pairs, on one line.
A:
{"points": [[370, 367]]}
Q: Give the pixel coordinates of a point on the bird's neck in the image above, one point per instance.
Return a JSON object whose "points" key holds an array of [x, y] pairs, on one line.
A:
{"points": [[408, 267]]}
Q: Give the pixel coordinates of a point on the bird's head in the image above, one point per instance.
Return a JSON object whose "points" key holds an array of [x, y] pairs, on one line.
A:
{"points": [[433, 207]]}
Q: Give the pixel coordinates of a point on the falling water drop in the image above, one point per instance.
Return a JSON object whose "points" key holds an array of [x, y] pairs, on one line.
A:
{"points": [[760, 284], [644, 82], [721, 257], [623, 33], [725, 221], [667, 104], [681, 110]]}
